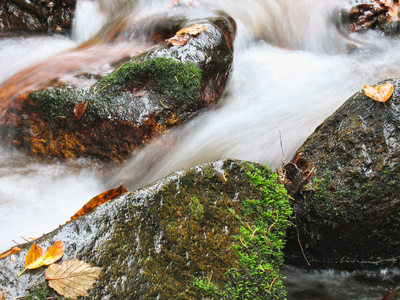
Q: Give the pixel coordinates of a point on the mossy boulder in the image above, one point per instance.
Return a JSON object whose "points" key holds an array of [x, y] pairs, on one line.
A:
{"points": [[215, 231], [143, 97], [350, 209]]}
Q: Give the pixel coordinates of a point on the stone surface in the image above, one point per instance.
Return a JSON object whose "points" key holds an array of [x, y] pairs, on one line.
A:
{"points": [[36, 15], [143, 97], [218, 225], [350, 209]]}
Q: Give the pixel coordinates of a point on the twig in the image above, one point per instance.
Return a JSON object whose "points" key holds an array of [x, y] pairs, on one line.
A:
{"points": [[272, 283], [243, 243], [253, 233], [298, 239]]}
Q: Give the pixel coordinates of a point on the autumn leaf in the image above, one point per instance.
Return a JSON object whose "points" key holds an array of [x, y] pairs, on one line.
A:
{"points": [[194, 29], [80, 109], [380, 93], [100, 199], [178, 40], [9, 252], [36, 257], [2, 296], [72, 278]]}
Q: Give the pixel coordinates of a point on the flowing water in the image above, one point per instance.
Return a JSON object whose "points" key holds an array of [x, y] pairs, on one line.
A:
{"points": [[292, 69]]}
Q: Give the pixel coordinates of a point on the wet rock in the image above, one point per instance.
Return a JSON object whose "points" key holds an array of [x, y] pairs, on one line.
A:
{"points": [[36, 15], [143, 97], [375, 15], [350, 209], [213, 231]]}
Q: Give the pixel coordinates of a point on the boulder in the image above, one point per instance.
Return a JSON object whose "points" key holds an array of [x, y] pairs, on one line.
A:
{"points": [[36, 15], [143, 97], [349, 211], [211, 232]]}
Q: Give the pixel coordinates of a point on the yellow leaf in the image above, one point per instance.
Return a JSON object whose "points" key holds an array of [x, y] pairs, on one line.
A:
{"points": [[194, 29], [72, 278], [36, 257], [380, 93]]}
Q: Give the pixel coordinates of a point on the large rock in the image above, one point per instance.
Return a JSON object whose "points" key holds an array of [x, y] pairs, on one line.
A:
{"points": [[350, 209], [213, 230], [143, 97]]}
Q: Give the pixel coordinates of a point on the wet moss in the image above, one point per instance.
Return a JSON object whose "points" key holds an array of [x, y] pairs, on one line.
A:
{"points": [[196, 207], [42, 291], [176, 82]]}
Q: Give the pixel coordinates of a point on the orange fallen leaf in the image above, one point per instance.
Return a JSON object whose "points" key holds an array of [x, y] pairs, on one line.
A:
{"points": [[72, 278], [36, 257], [9, 252], [380, 93], [100, 199], [194, 29], [178, 40], [80, 109]]}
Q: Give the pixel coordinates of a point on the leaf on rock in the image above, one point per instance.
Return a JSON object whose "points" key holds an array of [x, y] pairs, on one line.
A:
{"points": [[178, 40], [2, 296], [80, 109], [9, 252], [194, 29], [100, 199], [380, 93], [72, 278], [36, 257]]}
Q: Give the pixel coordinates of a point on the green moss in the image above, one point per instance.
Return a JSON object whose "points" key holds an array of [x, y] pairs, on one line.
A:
{"points": [[171, 84], [196, 208], [178, 83], [41, 292], [261, 240]]}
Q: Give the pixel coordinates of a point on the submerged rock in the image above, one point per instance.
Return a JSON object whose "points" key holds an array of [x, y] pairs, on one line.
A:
{"points": [[350, 209], [144, 96], [213, 231]]}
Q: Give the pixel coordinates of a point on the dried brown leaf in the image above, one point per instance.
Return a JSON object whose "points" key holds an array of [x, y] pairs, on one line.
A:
{"points": [[80, 109], [380, 93], [72, 278], [178, 40], [100, 199], [9, 252]]}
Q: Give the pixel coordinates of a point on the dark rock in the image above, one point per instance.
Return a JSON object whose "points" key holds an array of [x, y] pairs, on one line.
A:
{"points": [[198, 234], [350, 210], [142, 98], [373, 15], [36, 15]]}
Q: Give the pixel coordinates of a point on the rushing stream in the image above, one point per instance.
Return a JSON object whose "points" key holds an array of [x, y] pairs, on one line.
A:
{"points": [[292, 69]]}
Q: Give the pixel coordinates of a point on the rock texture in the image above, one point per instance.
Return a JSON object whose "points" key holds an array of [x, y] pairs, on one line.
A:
{"points": [[36, 15], [350, 209], [143, 97], [215, 231]]}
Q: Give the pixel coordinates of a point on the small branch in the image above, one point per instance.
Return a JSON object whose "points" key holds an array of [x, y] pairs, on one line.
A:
{"points": [[272, 283]]}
